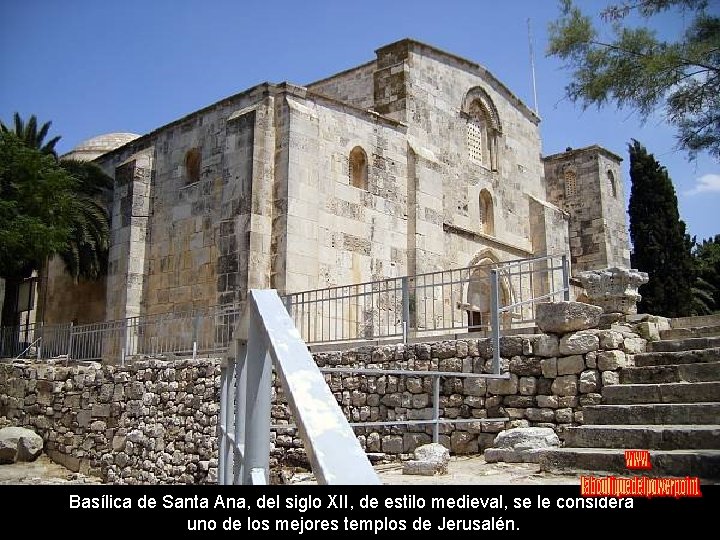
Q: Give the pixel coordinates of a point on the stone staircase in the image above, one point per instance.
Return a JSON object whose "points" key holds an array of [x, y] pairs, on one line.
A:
{"points": [[668, 403]]}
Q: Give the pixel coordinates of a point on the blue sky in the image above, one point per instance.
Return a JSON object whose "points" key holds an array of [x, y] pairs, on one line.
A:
{"points": [[94, 67]]}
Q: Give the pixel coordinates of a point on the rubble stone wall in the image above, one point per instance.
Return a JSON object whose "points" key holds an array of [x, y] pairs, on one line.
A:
{"points": [[154, 421]]}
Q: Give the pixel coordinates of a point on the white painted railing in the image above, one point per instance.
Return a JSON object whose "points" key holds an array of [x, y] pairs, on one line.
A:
{"points": [[267, 334]]}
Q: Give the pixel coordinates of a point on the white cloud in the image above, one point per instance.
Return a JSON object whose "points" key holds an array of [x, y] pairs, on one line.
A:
{"points": [[706, 183]]}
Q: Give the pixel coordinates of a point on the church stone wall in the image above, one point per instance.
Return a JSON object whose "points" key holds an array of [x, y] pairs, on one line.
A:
{"points": [[612, 200], [179, 242], [66, 301], [130, 212], [337, 233], [354, 86], [579, 182], [271, 202], [426, 89]]}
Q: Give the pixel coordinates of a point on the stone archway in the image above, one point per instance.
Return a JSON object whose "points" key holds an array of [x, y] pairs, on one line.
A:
{"points": [[477, 303]]}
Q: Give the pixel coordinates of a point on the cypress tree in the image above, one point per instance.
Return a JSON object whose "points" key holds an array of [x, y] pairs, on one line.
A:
{"points": [[660, 245]]}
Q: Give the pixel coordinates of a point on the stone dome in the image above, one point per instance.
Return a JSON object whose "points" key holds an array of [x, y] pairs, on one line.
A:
{"points": [[97, 146]]}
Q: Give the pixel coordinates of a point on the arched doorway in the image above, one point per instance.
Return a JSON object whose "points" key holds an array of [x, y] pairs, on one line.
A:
{"points": [[478, 303]]}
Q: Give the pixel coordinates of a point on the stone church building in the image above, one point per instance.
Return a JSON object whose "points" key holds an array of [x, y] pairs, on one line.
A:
{"points": [[415, 161]]}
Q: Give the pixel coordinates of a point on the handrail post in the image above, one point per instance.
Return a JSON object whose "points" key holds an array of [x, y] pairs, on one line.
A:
{"points": [[289, 305], [257, 413], [222, 451], [196, 324], [42, 334], [436, 408], [495, 318], [70, 340], [405, 308], [230, 419], [240, 393], [126, 341], [566, 278]]}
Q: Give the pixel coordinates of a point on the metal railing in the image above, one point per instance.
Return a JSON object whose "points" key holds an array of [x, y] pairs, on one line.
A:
{"points": [[198, 332], [432, 303], [269, 336], [489, 298], [544, 290], [435, 421]]}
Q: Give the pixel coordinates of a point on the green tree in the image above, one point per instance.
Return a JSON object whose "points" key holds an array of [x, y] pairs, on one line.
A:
{"points": [[85, 253], [637, 69], [660, 245], [28, 133], [35, 207], [707, 258]]}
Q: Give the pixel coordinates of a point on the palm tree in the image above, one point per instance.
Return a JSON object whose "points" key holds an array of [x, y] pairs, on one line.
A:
{"points": [[29, 134], [86, 253]]}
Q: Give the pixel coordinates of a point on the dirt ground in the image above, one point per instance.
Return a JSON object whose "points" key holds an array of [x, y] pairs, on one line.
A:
{"points": [[42, 471], [468, 471], [475, 471], [463, 470]]}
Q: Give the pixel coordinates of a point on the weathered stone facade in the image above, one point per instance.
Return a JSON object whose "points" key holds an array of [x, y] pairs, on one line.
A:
{"points": [[587, 184], [155, 421], [414, 162]]}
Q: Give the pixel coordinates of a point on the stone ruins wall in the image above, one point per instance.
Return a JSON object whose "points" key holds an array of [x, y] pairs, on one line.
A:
{"points": [[152, 422], [155, 420]]}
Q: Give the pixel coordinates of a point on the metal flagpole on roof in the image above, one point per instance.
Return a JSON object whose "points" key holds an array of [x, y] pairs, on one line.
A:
{"points": [[532, 68]]}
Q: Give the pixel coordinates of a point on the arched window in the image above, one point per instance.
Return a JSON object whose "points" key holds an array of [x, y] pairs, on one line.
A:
{"points": [[192, 165], [613, 185], [487, 214], [570, 178], [358, 168], [483, 128]]}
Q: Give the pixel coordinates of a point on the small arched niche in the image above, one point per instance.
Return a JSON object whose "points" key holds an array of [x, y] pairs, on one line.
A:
{"points": [[487, 213], [358, 168], [193, 158], [612, 182]]}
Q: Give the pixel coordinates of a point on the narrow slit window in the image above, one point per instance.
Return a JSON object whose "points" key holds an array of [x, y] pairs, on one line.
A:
{"points": [[487, 213], [613, 184], [358, 168], [193, 159]]}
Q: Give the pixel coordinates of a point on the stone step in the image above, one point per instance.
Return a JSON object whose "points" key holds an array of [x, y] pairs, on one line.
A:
{"points": [[694, 322], [709, 371], [679, 357], [653, 413], [625, 394], [701, 463], [682, 333], [689, 344], [655, 437]]}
